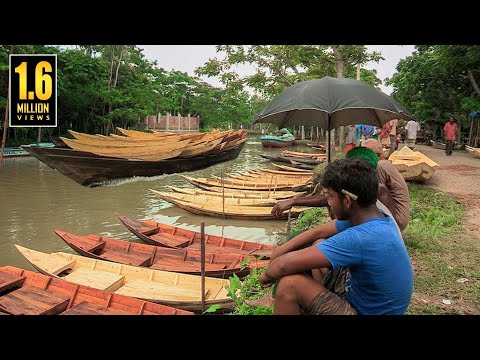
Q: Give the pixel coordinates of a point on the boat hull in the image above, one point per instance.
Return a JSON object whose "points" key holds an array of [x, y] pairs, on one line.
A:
{"points": [[89, 169]]}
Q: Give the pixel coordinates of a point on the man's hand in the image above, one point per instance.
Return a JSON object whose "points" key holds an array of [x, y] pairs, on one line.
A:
{"points": [[281, 206], [265, 280]]}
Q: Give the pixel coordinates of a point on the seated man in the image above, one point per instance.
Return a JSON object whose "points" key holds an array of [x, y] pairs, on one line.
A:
{"points": [[370, 269], [384, 194]]}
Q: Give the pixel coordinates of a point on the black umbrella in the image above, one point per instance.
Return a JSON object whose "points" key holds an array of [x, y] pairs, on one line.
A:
{"points": [[330, 103]]}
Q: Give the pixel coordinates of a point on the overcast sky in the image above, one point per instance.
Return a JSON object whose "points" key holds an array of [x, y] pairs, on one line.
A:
{"points": [[186, 58]]}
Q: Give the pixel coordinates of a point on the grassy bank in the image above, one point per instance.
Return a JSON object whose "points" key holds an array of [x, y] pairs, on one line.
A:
{"points": [[446, 262]]}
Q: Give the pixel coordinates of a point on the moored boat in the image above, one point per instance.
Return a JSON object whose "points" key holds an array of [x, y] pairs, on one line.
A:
{"points": [[24, 292]]}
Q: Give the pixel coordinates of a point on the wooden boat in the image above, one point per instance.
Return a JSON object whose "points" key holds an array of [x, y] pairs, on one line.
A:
{"points": [[242, 194], [170, 236], [473, 151], [214, 200], [256, 180], [290, 159], [442, 146], [24, 292], [161, 151], [161, 258], [291, 169], [141, 134], [288, 153], [206, 184], [278, 173], [273, 141], [232, 211], [168, 288], [413, 165], [92, 170]]}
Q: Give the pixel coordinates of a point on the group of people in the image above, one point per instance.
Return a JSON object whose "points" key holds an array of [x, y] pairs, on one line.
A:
{"points": [[357, 263]]}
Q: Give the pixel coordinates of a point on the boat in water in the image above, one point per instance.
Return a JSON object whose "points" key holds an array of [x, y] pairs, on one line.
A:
{"points": [[283, 138]]}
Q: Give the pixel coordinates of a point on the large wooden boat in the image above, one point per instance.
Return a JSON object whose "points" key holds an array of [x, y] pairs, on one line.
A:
{"points": [[161, 258], [170, 236], [168, 288], [214, 200], [92, 170], [473, 151], [24, 292], [242, 194], [413, 165]]}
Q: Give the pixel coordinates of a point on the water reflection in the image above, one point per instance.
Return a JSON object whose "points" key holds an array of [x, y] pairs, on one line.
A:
{"points": [[35, 200]]}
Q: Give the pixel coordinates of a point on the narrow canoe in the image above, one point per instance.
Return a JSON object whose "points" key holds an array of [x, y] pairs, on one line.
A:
{"points": [[242, 194], [24, 292], [291, 169], [214, 200], [160, 258], [168, 288], [170, 236]]}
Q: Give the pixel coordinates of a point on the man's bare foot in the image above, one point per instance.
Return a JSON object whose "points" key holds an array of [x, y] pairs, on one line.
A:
{"points": [[266, 301]]}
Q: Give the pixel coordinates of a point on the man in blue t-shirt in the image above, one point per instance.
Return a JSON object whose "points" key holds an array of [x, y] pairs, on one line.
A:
{"points": [[359, 263]]}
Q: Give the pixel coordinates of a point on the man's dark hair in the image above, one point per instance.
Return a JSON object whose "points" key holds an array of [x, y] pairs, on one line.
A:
{"points": [[355, 175]]}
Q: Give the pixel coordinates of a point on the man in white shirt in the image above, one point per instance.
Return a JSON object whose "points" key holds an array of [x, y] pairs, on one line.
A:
{"points": [[411, 128]]}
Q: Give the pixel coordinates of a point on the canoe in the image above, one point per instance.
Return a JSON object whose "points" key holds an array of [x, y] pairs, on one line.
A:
{"points": [[473, 151], [291, 169], [24, 292], [442, 146], [11, 152], [242, 194], [255, 179], [160, 258], [89, 169], [164, 287], [155, 233], [206, 184], [214, 200], [232, 211], [413, 165], [276, 141], [289, 153]]}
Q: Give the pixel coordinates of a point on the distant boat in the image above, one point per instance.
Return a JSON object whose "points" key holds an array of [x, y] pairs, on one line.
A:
{"points": [[441, 145], [278, 141], [24, 292], [10, 152]]}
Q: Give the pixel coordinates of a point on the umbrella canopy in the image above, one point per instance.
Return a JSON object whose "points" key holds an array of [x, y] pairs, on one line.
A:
{"points": [[330, 103]]}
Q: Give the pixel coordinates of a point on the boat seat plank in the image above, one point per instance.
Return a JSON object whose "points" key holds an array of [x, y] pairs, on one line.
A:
{"points": [[185, 266], [89, 246], [33, 301], [8, 281], [148, 230], [155, 291], [171, 240], [86, 308], [56, 265], [127, 258], [97, 279]]}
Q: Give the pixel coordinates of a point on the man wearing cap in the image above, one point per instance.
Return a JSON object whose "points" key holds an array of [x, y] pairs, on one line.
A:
{"points": [[385, 196]]}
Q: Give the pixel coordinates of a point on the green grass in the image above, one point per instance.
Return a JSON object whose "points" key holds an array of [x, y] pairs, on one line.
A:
{"points": [[440, 251]]}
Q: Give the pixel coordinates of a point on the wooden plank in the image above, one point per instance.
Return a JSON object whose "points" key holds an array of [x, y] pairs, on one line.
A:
{"points": [[86, 308], [8, 281], [154, 291], [97, 279], [33, 301], [127, 258], [184, 266]]}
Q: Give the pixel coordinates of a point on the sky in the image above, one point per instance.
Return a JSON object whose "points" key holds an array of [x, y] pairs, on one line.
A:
{"points": [[186, 58]]}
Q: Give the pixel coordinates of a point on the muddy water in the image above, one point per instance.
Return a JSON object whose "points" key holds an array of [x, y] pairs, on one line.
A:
{"points": [[35, 200]]}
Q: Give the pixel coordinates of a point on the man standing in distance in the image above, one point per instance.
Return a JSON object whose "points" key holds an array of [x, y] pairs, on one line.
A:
{"points": [[450, 132]]}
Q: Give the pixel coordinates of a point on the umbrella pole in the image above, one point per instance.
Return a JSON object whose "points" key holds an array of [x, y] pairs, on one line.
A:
{"points": [[329, 151]]}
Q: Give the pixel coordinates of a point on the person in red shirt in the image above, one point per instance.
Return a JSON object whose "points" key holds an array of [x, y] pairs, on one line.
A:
{"points": [[450, 132]]}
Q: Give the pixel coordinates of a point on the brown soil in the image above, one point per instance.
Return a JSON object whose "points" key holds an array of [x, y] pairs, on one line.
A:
{"points": [[459, 176]]}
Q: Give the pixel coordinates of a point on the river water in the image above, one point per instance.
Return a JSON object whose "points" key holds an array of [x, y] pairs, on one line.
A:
{"points": [[35, 200]]}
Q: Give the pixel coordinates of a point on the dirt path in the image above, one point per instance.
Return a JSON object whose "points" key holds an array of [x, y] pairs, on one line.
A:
{"points": [[458, 175]]}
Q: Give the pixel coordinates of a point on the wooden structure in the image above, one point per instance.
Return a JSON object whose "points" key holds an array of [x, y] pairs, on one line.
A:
{"points": [[413, 165], [24, 292], [474, 151], [168, 288], [242, 194], [174, 237], [89, 169], [160, 258]]}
